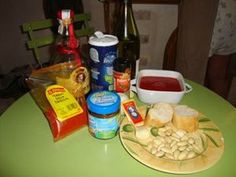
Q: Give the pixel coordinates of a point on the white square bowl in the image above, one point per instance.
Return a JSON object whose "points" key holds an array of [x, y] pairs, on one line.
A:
{"points": [[152, 96]]}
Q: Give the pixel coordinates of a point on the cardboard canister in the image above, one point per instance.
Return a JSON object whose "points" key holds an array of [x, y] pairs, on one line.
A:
{"points": [[102, 52]]}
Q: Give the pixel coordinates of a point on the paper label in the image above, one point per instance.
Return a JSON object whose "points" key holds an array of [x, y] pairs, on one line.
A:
{"points": [[63, 103], [103, 128], [132, 113], [78, 82], [121, 81]]}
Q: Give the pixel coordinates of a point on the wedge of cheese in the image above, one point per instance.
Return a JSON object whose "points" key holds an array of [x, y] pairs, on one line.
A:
{"points": [[132, 113]]}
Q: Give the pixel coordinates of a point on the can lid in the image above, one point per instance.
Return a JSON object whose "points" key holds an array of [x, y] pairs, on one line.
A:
{"points": [[103, 102], [102, 40]]}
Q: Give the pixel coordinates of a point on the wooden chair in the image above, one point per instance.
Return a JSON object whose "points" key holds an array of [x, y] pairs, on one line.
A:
{"points": [[35, 43]]}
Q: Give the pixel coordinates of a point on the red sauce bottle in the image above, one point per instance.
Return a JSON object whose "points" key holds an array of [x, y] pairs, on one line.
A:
{"points": [[122, 75]]}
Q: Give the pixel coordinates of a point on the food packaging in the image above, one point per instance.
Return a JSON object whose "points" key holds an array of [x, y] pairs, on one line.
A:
{"points": [[60, 96]]}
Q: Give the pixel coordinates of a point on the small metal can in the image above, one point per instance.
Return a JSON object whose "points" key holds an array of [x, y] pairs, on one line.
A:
{"points": [[104, 108]]}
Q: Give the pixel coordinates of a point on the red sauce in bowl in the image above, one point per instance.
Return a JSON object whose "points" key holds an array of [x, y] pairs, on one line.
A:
{"points": [[159, 83]]}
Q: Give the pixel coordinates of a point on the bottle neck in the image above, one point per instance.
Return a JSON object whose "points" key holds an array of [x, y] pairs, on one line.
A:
{"points": [[68, 36], [67, 43], [129, 2], [128, 13]]}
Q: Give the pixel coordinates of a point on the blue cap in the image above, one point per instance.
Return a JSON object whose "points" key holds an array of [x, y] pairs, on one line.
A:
{"points": [[103, 102]]}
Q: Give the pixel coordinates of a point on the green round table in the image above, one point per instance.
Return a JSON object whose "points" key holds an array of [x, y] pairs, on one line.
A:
{"points": [[27, 147]]}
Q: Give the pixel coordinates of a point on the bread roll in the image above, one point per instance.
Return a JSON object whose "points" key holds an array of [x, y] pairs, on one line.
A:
{"points": [[159, 115], [185, 118]]}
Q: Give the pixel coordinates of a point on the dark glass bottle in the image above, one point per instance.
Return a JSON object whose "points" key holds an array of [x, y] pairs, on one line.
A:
{"points": [[128, 36]]}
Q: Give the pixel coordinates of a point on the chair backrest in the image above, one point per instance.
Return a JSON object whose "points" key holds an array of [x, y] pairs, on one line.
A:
{"points": [[35, 42]]}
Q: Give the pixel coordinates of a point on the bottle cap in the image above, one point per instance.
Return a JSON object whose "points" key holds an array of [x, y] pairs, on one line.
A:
{"points": [[103, 102], [102, 40], [65, 14], [64, 18]]}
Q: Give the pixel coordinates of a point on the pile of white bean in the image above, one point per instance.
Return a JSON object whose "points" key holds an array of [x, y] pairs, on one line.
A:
{"points": [[177, 144]]}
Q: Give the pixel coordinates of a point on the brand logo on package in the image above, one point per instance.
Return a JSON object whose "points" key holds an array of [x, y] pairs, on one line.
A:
{"points": [[94, 55], [56, 90], [109, 58]]}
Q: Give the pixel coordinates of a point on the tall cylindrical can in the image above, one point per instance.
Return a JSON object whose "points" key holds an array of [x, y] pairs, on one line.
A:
{"points": [[102, 52]]}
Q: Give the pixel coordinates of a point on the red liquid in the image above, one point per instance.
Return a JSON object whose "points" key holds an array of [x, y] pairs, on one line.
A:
{"points": [[157, 83]]}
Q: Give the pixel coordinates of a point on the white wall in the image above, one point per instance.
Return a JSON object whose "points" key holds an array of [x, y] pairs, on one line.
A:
{"points": [[157, 30]]}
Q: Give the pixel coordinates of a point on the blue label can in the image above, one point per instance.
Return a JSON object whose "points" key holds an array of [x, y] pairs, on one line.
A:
{"points": [[102, 52]]}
